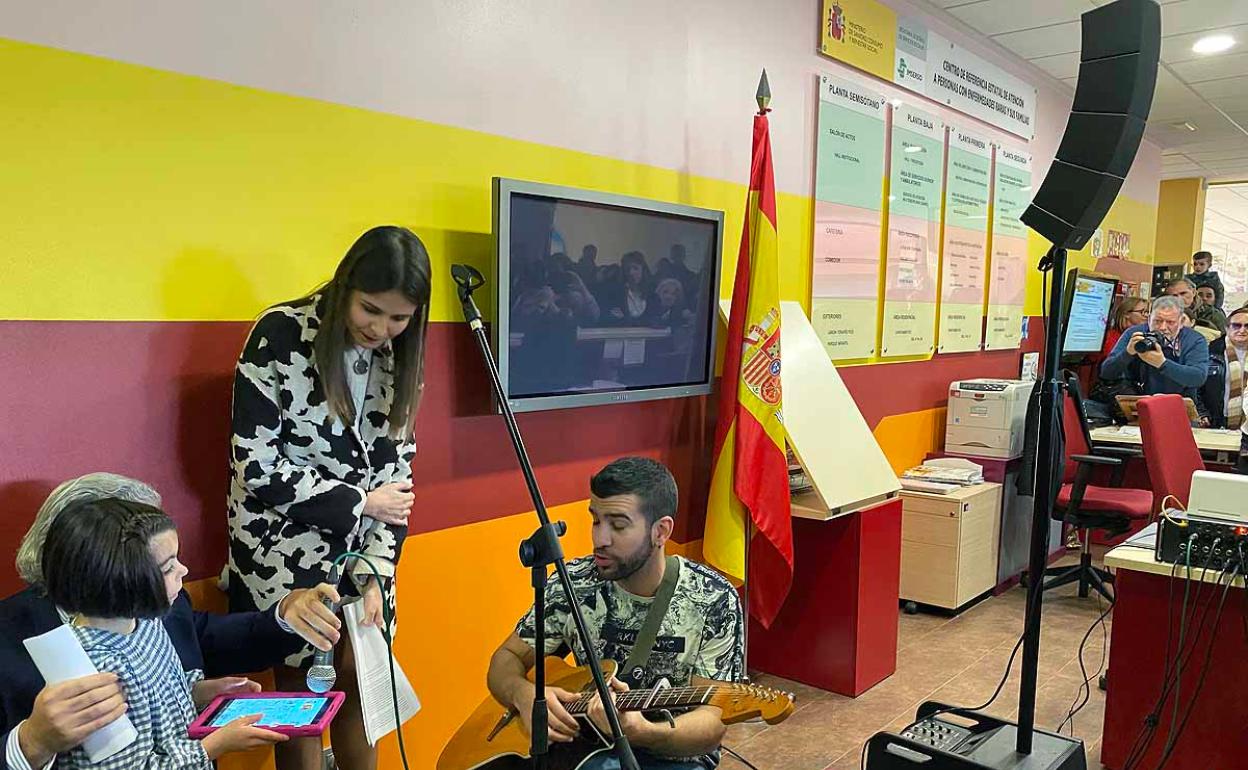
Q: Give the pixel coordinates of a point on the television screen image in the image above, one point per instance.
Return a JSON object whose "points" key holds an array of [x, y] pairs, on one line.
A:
{"points": [[1087, 314], [603, 298]]}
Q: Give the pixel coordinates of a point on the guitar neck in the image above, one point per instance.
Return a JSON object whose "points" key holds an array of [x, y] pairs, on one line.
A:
{"points": [[650, 700]]}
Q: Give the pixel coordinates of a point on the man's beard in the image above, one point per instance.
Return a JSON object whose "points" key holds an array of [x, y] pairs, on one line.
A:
{"points": [[629, 565]]}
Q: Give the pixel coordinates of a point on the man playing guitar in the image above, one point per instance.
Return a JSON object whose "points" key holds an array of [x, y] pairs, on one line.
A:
{"points": [[633, 504]]}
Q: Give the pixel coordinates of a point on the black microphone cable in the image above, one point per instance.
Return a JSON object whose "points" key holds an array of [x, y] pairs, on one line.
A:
{"points": [[386, 617], [1172, 740], [1145, 737], [1084, 693], [1170, 675]]}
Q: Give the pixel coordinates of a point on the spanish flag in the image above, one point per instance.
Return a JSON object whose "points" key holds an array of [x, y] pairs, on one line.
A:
{"points": [[750, 480]]}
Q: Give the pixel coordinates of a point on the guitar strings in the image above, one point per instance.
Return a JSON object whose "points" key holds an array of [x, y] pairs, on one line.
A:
{"points": [[638, 697]]}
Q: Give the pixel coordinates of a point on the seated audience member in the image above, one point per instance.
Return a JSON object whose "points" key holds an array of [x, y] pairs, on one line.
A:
{"points": [[111, 569], [1177, 361], [1129, 312], [587, 265], [668, 308], [681, 272], [1206, 296], [628, 302], [1203, 275], [38, 722], [1236, 365], [1185, 290], [575, 298], [1237, 378]]}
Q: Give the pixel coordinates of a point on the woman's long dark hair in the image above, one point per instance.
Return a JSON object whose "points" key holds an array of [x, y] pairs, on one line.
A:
{"points": [[383, 259]]}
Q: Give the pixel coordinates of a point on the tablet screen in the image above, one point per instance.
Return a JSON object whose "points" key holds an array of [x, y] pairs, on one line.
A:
{"points": [[275, 712]]}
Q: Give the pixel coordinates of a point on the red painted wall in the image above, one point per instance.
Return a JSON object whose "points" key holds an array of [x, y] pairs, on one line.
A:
{"points": [[152, 401]]}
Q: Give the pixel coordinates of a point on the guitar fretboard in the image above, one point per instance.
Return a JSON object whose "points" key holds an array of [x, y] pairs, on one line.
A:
{"points": [[645, 700]]}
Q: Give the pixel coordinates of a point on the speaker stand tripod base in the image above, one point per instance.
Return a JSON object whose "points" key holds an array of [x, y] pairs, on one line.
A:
{"points": [[974, 741]]}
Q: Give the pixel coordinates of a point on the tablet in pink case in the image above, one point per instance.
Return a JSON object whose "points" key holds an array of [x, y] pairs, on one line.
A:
{"points": [[296, 714]]}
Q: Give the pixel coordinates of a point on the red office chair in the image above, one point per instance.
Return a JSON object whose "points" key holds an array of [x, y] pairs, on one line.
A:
{"points": [[1087, 507], [1170, 449]]}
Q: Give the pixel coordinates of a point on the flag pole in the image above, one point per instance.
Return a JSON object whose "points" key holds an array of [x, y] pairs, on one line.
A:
{"points": [[763, 96]]}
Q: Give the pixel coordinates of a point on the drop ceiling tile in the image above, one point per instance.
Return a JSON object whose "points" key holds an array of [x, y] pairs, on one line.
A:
{"points": [[1064, 65], [1175, 107], [994, 17], [1188, 16], [1225, 65], [1042, 41], [1178, 48]]}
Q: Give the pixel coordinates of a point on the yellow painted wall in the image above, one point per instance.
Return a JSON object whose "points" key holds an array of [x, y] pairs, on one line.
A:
{"points": [[139, 194], [1127, 215], [1180, 220]]}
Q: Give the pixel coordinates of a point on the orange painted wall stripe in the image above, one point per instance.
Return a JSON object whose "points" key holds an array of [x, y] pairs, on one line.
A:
{"points": [[461, 592]]}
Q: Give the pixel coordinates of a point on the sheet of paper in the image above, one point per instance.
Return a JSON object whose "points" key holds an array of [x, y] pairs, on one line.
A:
{"points": [[372, 666], [59, 656], [634, 352], [612, 349]]}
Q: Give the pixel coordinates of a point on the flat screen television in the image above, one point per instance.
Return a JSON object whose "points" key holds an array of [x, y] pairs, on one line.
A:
{"points": [[1089, 299], [602, 298]]}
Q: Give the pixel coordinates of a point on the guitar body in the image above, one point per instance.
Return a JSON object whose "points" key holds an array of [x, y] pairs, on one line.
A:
{"points": [[494, 738], [472, 747]]}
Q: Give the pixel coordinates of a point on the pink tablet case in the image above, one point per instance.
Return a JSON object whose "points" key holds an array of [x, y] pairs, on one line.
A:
{"points": [[200, 728]]}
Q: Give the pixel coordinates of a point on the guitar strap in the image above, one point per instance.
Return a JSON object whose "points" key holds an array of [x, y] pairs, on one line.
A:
{"points": [[634, 669]]}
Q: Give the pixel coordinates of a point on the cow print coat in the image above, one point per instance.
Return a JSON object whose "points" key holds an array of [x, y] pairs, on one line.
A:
{"points": [[299, 476]]}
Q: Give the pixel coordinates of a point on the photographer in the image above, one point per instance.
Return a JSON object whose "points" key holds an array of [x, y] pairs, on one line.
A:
{"points": [[1161, 356]]}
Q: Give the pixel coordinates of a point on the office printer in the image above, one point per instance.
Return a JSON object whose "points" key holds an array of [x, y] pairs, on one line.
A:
{"points": [[986, 417]]}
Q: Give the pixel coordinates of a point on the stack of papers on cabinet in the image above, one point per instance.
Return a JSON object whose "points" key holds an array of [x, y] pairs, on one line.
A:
{"points": [[942, 474]]}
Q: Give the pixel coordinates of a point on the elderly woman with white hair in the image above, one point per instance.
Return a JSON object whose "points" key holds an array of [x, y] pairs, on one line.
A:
{"points": [[38, 722]]}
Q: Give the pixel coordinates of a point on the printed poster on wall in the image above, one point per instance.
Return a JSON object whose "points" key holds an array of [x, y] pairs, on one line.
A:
{"points": [[861, 33], [867, 35], [849, 190], [964, 252], [912, 262], [1011, 192]]}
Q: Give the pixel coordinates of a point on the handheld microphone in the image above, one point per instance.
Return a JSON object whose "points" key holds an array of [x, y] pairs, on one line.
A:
{"points": [[321, 675]]}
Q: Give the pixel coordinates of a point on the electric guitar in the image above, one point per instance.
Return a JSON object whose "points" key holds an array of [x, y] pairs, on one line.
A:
{"points": [[494, 737]]}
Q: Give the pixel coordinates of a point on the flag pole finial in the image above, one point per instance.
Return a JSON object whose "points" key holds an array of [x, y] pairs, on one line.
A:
{"points": [[763, 95]]}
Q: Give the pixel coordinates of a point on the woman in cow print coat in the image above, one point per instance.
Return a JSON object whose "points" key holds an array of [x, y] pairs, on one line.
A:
{"points": [[325, 394]]}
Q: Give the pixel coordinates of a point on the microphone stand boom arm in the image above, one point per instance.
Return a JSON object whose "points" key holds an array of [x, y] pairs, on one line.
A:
{"points": [[538, 551]]}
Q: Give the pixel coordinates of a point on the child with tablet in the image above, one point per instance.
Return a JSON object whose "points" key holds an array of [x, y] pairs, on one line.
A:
{"points": [[111, 567]]}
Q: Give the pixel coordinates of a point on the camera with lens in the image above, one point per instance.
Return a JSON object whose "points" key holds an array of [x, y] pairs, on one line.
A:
{"points": [[1149, 341]]}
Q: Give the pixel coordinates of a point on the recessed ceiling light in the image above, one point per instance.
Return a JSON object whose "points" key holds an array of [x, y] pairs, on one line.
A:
{"points": [[1213, 44], [1183, 125]]}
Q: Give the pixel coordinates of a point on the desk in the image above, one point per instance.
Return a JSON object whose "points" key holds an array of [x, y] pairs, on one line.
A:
{"points": [[1215, 735], [1218, 446]]}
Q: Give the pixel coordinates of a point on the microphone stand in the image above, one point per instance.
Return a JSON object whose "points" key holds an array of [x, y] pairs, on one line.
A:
{"points": [[538, 551]]}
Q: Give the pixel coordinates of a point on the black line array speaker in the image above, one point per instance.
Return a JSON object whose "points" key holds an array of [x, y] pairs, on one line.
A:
{"points": [[1117, 73]]}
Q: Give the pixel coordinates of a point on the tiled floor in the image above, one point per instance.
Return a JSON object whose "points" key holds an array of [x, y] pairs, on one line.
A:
{"points": [[956, 660]]}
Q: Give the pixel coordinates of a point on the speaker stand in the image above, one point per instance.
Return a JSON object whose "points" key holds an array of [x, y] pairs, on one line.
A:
{"points": [[948, 738]]}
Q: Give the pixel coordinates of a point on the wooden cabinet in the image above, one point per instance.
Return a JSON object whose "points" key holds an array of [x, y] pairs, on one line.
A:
{"points": [[949, 544]]}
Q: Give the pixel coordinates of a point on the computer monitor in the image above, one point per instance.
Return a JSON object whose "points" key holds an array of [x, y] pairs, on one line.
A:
{"points": [[1089, 298]]}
